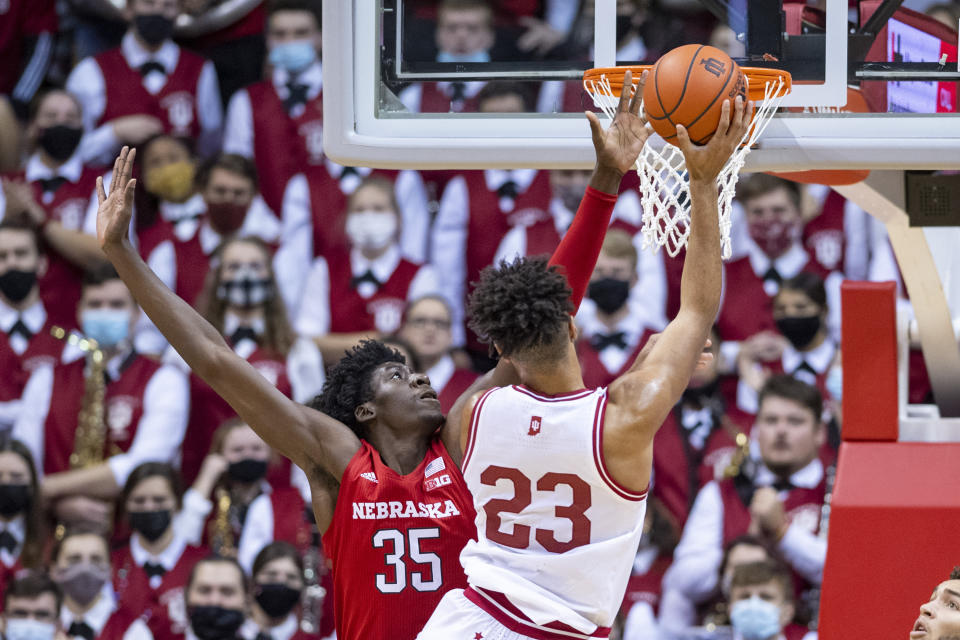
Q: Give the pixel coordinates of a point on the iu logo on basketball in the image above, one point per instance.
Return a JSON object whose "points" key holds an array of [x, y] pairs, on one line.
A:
{"points": [[714, 66], [534, 425]]}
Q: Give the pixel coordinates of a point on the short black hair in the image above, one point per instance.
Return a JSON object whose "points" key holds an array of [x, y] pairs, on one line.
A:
{"points": [[232, 162], [789, 388], [274, 551], [98, 274], [348, 383], [955, 574], [760, 184], [149, 470], [810, 285], [506, 88], [521, 306], [310, 6], [20, 224], [215, 559], [753, 573], [32, 584]]}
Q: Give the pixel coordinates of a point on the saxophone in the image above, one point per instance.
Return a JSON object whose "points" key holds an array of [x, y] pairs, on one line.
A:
{"points": [[222, 539], [739, 456], [91, 434]]}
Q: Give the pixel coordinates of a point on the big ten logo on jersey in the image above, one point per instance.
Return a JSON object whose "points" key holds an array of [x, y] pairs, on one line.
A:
{"points": [[269, 369], [175, 605], [527, 217], [387, 313], [70, 212], [432, 469], [312, 134], [120, 415], [827, 247], [805, 516], [535, 422], [550, 487], [714, 66], [179, 108]]}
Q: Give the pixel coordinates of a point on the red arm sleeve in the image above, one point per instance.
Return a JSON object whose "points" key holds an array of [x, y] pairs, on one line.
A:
{"points": [[577, 253]]}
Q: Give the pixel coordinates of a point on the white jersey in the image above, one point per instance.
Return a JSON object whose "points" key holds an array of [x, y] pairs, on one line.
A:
{"points": [[556, 535]]}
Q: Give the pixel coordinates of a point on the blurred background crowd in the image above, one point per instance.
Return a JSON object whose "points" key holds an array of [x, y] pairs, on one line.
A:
{"points": [[133, 502]]}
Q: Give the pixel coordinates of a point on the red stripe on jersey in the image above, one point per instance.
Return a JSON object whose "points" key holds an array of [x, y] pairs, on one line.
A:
{"points": [[504, 612], [615, 486], [560, 397], [474, 420]]}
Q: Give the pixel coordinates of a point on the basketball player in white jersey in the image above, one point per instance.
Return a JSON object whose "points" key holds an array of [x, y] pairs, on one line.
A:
{"points": [[559, 473]]}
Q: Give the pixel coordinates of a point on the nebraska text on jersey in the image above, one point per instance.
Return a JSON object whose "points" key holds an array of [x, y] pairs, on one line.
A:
{"points": [[408, 509]]}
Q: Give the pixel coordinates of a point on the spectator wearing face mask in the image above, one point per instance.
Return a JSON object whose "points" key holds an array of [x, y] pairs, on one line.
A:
{"points": [[216, 600], [285, 110], [612, 333], [80, 565], [21, 514], [314, 223], [155, 86], [363, 291], [26, 344], [28, 32], [426, 327], [31, 606], [244, 512], [772, 210], [761, 603], [800, 315], [169, 197], [464, 34], [232, 207], [53, 194], [242, 301], [277, 590], [150, 572], [144, 406]]}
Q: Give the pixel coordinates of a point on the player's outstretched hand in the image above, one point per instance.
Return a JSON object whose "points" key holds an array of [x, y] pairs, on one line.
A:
{"points": [[619, 146], [116, 209], [704, 162]]}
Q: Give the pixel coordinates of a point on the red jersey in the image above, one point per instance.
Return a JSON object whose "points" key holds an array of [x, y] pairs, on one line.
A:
{"points": [[395, 543]]}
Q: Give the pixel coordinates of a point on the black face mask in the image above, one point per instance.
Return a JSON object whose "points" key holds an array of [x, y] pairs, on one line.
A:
{"points": [[609, 293], [15, 284], [215, 623], [277, 599], [154, 28], [14, 499], [150, 524], [60, 141], [799, 330], [247, 470]]}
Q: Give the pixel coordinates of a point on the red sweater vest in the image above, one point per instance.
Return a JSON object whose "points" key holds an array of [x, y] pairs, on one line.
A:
{"points": [[646, 587], [60, 286], [21, 19], [192, 262], [117, 624], [208, 411], [42, 349], [176, 103], [456, 385], [382, 311], [802, 506], [289, 524], [300, 138], [823, 236], [164, 607], [123, 408], [328, 207], [433, 100], [747, 309], [6, 575], [488, 223], [595, 374]]}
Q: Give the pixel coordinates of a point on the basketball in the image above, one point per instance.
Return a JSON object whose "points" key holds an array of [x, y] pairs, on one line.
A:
{"points": [[687, 86]]}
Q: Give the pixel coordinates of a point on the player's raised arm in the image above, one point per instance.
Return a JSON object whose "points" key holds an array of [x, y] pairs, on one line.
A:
{"points": [[671, 361], [308, 437]]}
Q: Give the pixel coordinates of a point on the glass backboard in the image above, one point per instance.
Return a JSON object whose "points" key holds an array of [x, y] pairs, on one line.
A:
{"points": [[403, 78]]}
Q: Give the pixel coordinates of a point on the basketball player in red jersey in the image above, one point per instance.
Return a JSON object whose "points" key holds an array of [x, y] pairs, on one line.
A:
{"points": [[382, 462], [559, 473]]}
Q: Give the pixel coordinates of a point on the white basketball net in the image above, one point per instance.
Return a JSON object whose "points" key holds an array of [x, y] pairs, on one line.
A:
{"points": [[664, 182]]}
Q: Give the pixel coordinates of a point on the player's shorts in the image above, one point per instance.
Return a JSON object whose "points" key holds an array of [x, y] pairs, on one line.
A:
{"points": [[457, 617]]}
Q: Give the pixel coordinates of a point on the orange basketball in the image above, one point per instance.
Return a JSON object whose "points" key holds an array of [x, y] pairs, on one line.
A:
{"points": [[688, 86]]}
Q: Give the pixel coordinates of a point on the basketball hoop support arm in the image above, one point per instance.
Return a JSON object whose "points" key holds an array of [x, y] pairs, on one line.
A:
{"points": [[878, 196]]}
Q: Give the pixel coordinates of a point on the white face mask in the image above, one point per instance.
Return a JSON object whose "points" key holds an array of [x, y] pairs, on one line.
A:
{"points": [[371, 229], [29, 629]]}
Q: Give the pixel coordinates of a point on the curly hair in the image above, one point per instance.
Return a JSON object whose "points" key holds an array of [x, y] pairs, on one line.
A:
{"points": [[955, 574], [348, 383], [522, 307]]}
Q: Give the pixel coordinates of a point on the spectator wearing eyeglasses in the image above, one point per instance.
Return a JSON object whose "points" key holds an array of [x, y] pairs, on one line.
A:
{"points": [[427, 328]]}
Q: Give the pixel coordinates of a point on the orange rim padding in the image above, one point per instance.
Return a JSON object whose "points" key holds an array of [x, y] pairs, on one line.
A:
{"points": [[757, 78]]}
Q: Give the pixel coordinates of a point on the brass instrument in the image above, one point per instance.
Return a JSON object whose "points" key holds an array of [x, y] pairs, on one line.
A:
{"points": [[91, 434], [741, 455], [314, 568], [222, 539]]}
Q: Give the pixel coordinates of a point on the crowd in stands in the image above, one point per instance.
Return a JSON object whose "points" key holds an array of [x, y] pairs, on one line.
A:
{"points": [[134, 503]]}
